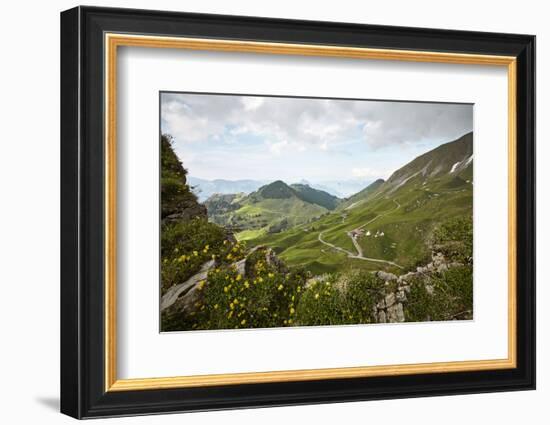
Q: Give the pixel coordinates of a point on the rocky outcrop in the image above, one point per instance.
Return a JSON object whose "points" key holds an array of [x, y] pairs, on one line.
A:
{"points": [[391, 307], [188, 211], [190, 285], [183, 297], [178, 202]]}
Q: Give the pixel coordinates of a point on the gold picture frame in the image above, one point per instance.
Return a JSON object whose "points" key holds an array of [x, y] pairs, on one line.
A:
{"points": [[114, 41]]}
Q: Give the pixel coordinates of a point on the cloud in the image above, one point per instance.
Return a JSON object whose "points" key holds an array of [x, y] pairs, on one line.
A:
{"points": [[285, 124], [251, 103], [276, 148], [366, 172], [398, 123]]}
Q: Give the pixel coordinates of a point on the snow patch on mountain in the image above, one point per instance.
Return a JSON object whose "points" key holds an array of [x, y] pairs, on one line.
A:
{"points": [[453, 168]]}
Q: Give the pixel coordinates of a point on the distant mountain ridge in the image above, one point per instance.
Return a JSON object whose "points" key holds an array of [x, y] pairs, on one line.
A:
{"points": [[316, 196], [204, 189], [272, 208]]}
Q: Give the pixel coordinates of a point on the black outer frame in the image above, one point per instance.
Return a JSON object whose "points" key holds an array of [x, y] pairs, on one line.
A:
{"points": [[82, 212]]}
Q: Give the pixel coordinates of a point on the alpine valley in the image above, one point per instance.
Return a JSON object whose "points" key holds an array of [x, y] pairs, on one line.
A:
{"points": [[385, 225], [277, 254]]}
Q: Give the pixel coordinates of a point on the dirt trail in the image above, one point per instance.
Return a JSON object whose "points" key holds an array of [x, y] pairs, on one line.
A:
{"points": [[359, 255]]}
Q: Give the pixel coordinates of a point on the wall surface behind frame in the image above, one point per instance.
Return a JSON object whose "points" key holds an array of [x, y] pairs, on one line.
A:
{"points": [[29, 224]]}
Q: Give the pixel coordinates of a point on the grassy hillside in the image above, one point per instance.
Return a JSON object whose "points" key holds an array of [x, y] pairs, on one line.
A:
{"points": [[361, 195], [271, 209], [316, 196], [392, 221]]}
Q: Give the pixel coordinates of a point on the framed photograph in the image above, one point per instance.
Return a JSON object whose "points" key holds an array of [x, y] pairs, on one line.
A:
{"points": [[261, 212]]}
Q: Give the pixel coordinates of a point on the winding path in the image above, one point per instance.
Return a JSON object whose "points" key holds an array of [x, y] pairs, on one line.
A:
{"points": [[359, 255]]}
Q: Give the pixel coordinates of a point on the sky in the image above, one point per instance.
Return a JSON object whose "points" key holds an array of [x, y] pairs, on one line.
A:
{"points": [[236, 137]]}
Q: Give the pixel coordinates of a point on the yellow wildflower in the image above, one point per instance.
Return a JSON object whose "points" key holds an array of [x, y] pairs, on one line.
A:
{"points": [[239, 277], [260, 279], [195, 253], [280, 287], [215, 306], [231, 306], [230, 314], [236, 301], [289, 321], [246, 283], [243, 322], [316, 296], [292, 310], [271, 274], [225, 289]]}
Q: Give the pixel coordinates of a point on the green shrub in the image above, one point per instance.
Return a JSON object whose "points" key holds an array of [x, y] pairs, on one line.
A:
{"points": [[455, 239], [340, 300], [263, 298], [187, 245], [451, 297]]}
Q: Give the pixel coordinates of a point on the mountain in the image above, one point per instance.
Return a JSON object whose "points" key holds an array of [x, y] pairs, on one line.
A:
{"points": [[204, 189], [272, 208], [448, 166], [388, 224], [362, 195], [449, 161], [315, 196], [341, 188]]}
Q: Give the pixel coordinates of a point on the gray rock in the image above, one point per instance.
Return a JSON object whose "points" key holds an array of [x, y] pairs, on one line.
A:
{"points": [[400, 313], [390, 299], [240, 266], [401, 296], [438, 259], [174, 292], [442, 268], [382, 317], [395, 313], [386, 276]]}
